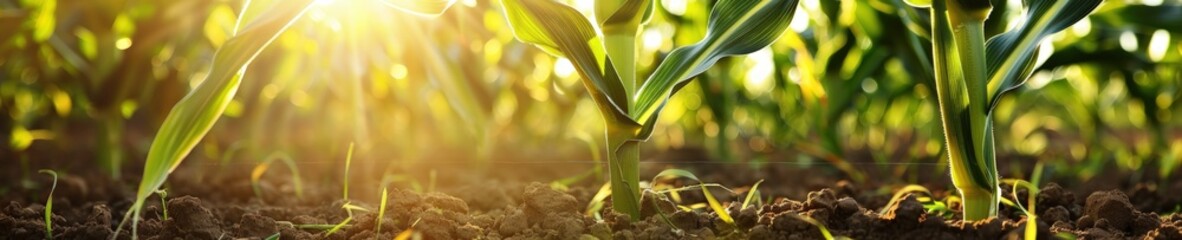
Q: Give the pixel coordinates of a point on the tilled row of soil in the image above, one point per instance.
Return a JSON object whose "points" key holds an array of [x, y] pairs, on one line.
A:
{"points": [[537, 211]]}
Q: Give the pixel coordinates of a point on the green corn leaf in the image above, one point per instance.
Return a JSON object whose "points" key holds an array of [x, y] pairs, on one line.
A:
{"points": [[1011, 55], [561, 30], [192, 117], [421, 7], [196, 113], [751, 194], [49, 204], [273, 237], [717, 207], [734, 27]]}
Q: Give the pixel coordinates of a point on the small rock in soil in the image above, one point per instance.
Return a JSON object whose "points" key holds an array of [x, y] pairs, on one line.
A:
{"points": [[846, 206], [820, 199], [540, 199], [189, 218], [513, 223], [449, 203], [1112, 207], [1056, 214], [255, 226], [906, 214]]}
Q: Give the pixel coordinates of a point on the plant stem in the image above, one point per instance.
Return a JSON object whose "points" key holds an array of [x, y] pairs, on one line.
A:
{"points": [[961, 79], [110, 146], [623, 169], [621, 47], [978, 204]]}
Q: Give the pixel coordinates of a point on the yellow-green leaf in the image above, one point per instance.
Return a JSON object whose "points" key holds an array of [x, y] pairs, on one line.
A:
{"points": [[192, 117], [734, 27], [561, 30]]}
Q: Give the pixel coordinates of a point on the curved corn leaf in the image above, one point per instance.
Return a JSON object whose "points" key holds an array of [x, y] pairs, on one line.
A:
{"points": [[49, 204], [421, 7], [561, 30], [734, 27], [1010, 56], [193, 116]]}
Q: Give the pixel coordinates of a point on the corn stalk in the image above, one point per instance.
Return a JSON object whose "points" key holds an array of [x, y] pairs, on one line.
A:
{"points": [[630, 108], [972, 74]]}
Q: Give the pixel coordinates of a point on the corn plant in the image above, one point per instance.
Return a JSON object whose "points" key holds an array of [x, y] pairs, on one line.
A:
{"points": [[192, 117], [972, 73], [605, 58], [49, 204]]}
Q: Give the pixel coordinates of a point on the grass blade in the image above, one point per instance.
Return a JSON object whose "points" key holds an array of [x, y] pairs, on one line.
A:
{"points": [[348, 162], [381, 213], [751, 194], [718, 208]]}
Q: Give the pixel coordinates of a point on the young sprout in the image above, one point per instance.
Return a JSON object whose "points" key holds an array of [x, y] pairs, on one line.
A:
{"points": [[193, 116], [605, 58], [49, 204], [1031, 195], [381, 213], [163, 202], [972, 73], [752, 194], [348, 162]]}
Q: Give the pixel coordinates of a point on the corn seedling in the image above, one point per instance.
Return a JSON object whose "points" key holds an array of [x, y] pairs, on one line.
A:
{"points": [[163, 202], [752, 194], [972, 73], [256, 174], [349, 208], [348, 162], [49, 204], [596, 202], [273, 237], [1031, 195], [605, 58], [193, 116], [381, 213]]}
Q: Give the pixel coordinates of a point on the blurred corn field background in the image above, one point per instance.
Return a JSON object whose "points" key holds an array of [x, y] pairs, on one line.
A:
{"points": [[847, 89]]}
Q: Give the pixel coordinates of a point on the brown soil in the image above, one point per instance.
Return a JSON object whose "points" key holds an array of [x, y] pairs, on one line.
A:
{"points": [[491, 206]]}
